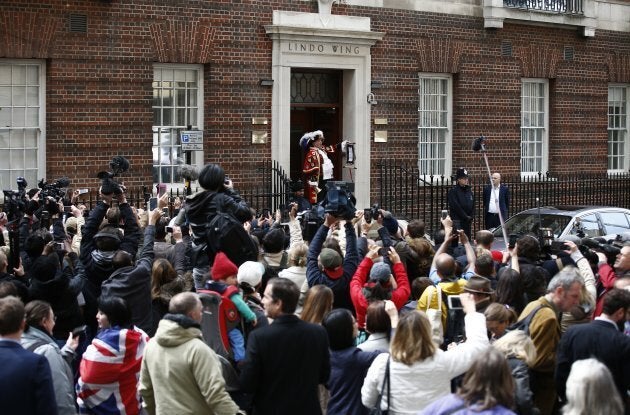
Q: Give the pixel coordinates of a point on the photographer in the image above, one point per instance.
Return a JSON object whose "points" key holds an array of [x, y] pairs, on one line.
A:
{"points": [[335, 272], [98, 247], [608, 274], [201, 207]]}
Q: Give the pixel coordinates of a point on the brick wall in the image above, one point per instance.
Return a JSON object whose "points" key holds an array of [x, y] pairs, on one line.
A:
{"points": [[99, 84]]}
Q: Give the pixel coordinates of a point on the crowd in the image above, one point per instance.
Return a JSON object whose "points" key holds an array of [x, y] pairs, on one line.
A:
{"points": [[122, 310]]}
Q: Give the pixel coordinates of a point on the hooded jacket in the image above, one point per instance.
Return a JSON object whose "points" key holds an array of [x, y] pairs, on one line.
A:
{"points": [[59, 360], [180, 373]]}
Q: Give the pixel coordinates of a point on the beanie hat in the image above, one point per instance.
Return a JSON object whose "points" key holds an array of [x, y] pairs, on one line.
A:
{"points": [[380, 272], [222, 267], [44, 268], [250, 272], [331, 261], [391, 224]]}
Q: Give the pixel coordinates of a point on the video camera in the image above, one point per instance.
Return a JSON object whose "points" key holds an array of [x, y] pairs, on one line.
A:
{"points": [[339, 200], [109, 185], [15, 201], [599, 244]]}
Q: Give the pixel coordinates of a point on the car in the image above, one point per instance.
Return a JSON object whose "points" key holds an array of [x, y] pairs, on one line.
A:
{"points": [[560, 221]]}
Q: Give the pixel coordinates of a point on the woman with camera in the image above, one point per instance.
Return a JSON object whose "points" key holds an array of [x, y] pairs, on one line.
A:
{"points": [[420, 372], [373, 281]]}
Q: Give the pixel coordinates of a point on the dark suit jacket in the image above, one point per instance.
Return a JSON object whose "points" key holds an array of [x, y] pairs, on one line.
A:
{"points": [[25, 382], [504, 199], [598, 339], [285, 362]]}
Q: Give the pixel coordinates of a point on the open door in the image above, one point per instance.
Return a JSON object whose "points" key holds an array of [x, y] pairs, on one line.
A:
{"points": [[315, 105]]}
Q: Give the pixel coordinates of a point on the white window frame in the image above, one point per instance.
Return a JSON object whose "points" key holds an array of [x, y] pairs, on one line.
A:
{"points": [[428, 123], [39, 130], [197, 157], [621, 124], [527, 127]]}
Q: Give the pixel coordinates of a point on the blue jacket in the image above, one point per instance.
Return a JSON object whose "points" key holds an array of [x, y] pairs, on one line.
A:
{"points": [[341, 285], [25, 382], [348, 368]]}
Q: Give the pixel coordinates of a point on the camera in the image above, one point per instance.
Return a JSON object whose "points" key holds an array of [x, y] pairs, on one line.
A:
{"points": [[607, 248], [55, 190], [559, 246], [339, 200], [109, 186], [15, 202], [383, 251]]}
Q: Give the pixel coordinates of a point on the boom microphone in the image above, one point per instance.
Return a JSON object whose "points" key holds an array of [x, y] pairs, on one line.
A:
{"points": [[478, 143], [189, 172]]}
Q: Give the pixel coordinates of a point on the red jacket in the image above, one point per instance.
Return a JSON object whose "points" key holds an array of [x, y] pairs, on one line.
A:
{"points": [[399, 296]]}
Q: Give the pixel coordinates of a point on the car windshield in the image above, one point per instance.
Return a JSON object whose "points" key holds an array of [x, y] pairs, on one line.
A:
{"points": [[528, 223]]}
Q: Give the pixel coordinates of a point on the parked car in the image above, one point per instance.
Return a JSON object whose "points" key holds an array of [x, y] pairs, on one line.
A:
{"points": [[582, 221]]}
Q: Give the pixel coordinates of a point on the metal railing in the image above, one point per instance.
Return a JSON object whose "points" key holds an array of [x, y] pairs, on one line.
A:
{"points": [[410, 195], [552, 6]]}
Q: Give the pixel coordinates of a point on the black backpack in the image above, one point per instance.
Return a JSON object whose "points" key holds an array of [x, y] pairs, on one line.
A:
{"points": [[524, 323], [225, 233]]}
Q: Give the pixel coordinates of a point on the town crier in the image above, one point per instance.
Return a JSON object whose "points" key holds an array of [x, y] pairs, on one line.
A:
{"points": [[317, 167]]}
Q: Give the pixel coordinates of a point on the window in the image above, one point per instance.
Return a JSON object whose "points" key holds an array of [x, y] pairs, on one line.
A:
{"points": [[534, 119], [615, 222], [434, 125], [618, 146], [22, 125], [177, 104]]}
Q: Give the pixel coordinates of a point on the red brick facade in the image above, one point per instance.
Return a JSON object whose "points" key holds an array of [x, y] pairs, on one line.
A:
{"points": [[99, 83]]}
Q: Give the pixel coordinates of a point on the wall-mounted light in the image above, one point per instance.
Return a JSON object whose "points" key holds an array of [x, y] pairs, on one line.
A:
{"points": [[371, 99], [376, 84], [266, 82]]}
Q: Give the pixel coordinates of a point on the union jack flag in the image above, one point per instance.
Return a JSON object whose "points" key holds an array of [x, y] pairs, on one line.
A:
{"points": [[110, 370]]}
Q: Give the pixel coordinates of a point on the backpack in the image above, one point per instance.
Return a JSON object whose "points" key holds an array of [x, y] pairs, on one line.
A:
{"points": [[225, 233], [524, 323], [219, 316], [271, 271]]}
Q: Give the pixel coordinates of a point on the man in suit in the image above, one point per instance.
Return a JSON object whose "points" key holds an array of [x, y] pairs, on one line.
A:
{"points": [[25, 381], [286, 360], [602, 339], [496, 198]]}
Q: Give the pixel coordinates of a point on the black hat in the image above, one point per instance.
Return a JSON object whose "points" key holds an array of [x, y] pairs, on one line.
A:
{"points": [[461, 173]]}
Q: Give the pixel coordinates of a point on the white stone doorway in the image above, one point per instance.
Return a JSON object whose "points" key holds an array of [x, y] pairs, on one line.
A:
{"points": [[316, 42]]}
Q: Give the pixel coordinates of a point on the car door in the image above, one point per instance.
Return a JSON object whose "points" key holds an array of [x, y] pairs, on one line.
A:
{"points": [[615, 222]]}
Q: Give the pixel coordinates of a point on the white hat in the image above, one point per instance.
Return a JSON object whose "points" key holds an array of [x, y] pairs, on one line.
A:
{"points": [[250, 272]]}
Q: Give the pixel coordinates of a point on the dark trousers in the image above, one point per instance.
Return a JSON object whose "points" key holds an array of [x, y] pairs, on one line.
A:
{"points": [[492, 220]]}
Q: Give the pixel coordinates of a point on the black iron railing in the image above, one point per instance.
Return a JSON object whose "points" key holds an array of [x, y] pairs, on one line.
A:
{"points": [[410, 195], [552, 6]]}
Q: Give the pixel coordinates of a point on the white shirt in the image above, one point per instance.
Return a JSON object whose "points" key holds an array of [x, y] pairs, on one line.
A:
{"points": [[494, 198]]}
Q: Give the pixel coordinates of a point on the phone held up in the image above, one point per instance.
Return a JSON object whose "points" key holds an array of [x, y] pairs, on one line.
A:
{"points": [[444, 214], [77, 331], [454, 302]]}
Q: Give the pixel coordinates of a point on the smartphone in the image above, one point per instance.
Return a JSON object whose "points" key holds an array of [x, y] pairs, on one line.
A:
{"points": [[266, 213], [60, 245], [512, 241], [454, 302], [165, 211], [367, 215], [83, 191], [67, 209], [161, 189], [383, 251], [153, 202], [169, 229], [77, 331], [444, 213]]}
